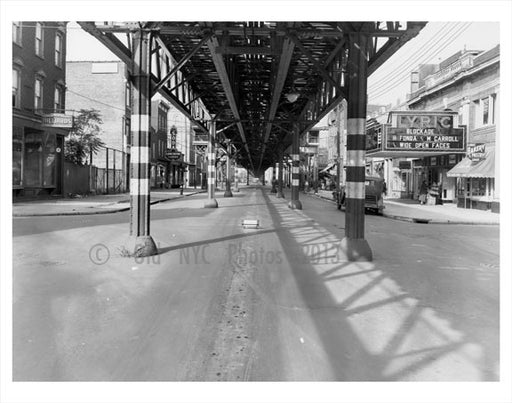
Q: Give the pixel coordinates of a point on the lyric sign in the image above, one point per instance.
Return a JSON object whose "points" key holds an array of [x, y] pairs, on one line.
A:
{"points": [[425, 131]]}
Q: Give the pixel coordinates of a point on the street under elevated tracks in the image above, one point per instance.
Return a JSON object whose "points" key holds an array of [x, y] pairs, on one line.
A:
{"points": [[278, 303]]}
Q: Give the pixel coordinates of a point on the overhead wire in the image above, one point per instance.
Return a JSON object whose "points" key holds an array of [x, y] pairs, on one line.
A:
{"points": [[404, 72]]}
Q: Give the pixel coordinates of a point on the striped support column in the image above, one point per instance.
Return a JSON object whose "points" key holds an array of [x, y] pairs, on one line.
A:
{"points": [[274, 189], [295, 202], [280, 193], [211, 202], [228, 192], [141, 242], [354, 244]]}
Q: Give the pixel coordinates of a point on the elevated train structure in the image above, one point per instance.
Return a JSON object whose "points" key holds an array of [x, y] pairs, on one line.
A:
{"points": [[263, 84]]}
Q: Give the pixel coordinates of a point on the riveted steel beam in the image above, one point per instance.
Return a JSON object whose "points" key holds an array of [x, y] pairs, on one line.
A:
{"points": [[181, 63], [222, 71]]}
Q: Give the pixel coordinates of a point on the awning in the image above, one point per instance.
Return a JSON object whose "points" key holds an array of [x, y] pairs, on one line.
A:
{"points": [[467, 168], [328, 168]]}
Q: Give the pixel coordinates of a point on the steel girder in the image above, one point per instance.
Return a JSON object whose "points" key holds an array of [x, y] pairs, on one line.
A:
{"points": [[241, 72]]}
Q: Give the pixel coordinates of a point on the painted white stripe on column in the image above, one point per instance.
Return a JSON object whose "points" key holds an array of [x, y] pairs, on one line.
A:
{"points": [[139, 121], [356, 126], [356, 158], [295, 157], [211, 180], [355, 190], [211, 168], [142, 152], [295, 170], [139, 187], [295, 182], [211, 156]]}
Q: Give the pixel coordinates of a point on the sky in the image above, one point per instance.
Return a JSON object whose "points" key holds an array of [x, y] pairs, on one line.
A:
{"points": [[390, 83]]}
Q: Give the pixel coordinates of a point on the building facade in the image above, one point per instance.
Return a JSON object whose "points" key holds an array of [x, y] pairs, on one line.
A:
{"points": [[159, 163], [469, 83], [40, 122], [104, 86]]}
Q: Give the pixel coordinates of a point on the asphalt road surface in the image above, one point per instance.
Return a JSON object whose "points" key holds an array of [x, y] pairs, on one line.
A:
{"points": [[278, 303]]}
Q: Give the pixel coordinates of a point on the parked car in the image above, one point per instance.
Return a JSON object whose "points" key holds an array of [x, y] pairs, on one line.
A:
{"points": [[374, 191]]}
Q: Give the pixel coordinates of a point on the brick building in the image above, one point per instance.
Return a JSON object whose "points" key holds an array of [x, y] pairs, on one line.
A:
{"points": [[40, 123], [104, 86]]}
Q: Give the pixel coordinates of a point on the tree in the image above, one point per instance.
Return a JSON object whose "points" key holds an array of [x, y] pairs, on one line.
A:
{"points": [[84, 139]]}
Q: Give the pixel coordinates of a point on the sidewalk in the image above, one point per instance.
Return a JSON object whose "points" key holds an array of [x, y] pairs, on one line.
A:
{"points": [[100, 204], [411, 210]]}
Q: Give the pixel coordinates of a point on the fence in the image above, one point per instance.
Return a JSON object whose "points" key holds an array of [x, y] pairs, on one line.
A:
{"points": [[107, 174]]}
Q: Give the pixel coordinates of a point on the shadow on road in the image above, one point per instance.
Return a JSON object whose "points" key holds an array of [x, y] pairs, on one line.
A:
{"points": [[383, 321]]}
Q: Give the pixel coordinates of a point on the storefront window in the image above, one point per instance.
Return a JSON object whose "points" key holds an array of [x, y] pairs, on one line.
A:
{"points": [[17, 156], [49, 159], [33, 159], [478, 187]]}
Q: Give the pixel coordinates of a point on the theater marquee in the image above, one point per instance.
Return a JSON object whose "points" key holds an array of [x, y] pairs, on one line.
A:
{"points": [[419, 133]]}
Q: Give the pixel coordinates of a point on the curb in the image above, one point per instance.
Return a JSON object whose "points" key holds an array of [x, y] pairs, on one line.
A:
{"points": [[418, 220], [105, 211]]}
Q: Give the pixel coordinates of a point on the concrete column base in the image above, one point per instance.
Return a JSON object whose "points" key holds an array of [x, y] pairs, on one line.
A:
{"points": [[141, 246], [295, 205], [211, 203], [228, 193], [356, 250], [280, 195]]}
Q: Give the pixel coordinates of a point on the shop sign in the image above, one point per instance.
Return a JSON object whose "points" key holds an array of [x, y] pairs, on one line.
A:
{"points": [[59, 120], [404, 165], [476, 152], [426, 139], [422, 131], [173, 154], [444, 74], [374, 139], [308, 150], [174, 133]]}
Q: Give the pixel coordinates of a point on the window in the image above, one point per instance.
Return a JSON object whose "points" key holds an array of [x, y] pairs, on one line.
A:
{"points": [[16, 84], [16, 32], [128, 96], [58, 50], [313, 137], [38, 95], [485, 111], [58, 104], [39, 39]]}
